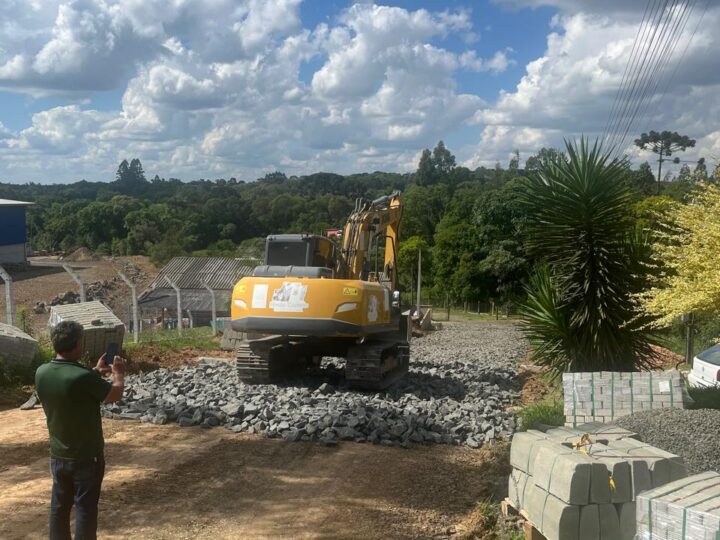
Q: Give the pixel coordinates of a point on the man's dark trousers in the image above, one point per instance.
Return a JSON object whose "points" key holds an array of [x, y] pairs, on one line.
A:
{"points": [[75, 482]]}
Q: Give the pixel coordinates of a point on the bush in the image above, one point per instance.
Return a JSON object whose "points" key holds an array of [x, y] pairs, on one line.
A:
{"points": [[581, 314], [705, 398], [549, 413]]}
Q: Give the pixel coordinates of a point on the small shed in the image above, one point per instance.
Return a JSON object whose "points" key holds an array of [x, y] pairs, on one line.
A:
{"points": [[13, 236], [17, 349], [191, 274], [100, 324]]}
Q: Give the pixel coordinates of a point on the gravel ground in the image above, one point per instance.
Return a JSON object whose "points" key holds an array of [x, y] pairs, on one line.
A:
{"points": [[461, 381], [692, 434]]}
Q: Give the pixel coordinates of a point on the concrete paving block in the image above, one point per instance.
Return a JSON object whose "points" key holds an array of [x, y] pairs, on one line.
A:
{"points": [[564, 473], [517, 485], [589, 522], [522, 449], [599, 483], [626, 516], [607, 432], [609, 522], [555, 519], [664, 466]]}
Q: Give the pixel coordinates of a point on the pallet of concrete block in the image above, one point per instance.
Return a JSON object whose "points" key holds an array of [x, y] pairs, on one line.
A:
{"points": [[99, 323], [583, 484], [605, 395], [687, 509], [17, 349]]}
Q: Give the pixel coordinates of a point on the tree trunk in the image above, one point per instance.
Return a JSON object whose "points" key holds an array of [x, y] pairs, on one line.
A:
{"points": [[659, 171]]}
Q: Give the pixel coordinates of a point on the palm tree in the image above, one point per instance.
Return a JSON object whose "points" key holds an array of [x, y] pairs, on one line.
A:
{"points": [[580, 314]]}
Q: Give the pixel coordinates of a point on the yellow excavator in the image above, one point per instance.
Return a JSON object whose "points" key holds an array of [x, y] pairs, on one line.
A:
{"points": [[313, 297]]}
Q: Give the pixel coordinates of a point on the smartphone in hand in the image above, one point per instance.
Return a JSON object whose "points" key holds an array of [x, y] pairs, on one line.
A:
{"points": [[110, 353]]}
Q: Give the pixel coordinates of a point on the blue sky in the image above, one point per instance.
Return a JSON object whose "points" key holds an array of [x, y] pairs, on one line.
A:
{"points": [[243, 87]]}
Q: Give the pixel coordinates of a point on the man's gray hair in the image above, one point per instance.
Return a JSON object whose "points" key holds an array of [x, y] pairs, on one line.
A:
{"points": [[65, 336]]}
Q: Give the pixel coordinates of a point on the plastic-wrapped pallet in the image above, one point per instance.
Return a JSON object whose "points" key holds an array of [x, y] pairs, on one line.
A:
{"points": [[17, 349], [582, 489], [605, 395], [687, 509], [100, 325]]}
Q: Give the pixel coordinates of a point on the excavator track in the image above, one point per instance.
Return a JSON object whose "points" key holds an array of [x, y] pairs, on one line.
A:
{"points": [[268, 359], [376, 365], [256, 360]]}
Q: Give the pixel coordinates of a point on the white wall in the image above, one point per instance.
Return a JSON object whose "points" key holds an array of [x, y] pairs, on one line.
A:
{"points": [[12, 254]]}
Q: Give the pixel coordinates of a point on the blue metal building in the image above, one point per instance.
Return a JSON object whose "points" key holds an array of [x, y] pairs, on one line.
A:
{"points": [[13, 236]]}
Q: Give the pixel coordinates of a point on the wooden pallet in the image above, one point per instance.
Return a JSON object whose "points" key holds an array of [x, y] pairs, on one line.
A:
{"points": [[508, 509]]}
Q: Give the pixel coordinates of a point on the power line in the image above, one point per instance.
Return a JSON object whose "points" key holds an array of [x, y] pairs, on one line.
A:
{"points": [[637, 69], [670, 79], [629, 66], [658, 69]]}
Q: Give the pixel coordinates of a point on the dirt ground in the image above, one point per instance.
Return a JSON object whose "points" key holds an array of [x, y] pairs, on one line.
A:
{"points": [[42, 283], [171, 482]]}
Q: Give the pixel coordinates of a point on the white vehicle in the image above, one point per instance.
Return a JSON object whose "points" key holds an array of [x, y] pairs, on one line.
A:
{"points": [[706, 368]]}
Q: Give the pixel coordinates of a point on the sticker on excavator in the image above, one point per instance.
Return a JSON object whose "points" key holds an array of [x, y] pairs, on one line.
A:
{"points": [[350, 291], [289, 298], [373, 309], [259, 298]]}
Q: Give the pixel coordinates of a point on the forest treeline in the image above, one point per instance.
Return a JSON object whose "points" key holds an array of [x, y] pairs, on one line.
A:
{"points": [[469, 224]]}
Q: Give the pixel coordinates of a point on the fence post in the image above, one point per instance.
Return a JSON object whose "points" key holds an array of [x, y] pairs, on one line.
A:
{"points": [[214, 307], [179, 305], [77, 280], [9, 304], [133, 291], [190, 318]]}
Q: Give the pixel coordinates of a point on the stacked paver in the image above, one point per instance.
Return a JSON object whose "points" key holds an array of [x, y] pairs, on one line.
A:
{"points": [[687, 509], [575, 489], [100, 325], [605, 395], [17, 349]]}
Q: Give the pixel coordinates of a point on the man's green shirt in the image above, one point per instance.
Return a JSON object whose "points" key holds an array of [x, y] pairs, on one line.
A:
{"points": [[71, 395]]}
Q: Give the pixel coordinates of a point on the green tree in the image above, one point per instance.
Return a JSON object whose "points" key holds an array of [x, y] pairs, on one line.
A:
{"points": [[581, 314], [425, 173], [543, 157], [664, 145], [407, 262]]}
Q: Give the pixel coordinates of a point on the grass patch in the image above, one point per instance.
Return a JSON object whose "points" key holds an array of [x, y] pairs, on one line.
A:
{"points": [[168, 340], [548, 412], [486, 523], [705, 398]]}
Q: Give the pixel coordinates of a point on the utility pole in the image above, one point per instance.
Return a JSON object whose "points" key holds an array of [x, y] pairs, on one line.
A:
{"points": [[77, 280], [179, 304], [214, 307], [133, 290], [689, 334], [419, 280], [9, 306]]}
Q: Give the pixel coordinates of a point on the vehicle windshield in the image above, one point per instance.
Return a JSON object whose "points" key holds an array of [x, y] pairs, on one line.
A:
{"points": [[711, 355]]}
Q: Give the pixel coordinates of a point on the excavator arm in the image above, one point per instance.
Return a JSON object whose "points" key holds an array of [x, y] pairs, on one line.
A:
{"points": [[370, 224]]}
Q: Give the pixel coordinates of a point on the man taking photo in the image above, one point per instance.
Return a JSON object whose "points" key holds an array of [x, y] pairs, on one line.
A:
{"points": [[71, 395]]}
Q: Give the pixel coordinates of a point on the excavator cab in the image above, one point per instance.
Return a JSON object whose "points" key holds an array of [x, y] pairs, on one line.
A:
{"points": [[298, 255]]}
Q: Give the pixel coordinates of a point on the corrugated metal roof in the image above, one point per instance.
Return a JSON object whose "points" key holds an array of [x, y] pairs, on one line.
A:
{"points": [[192, 299], [8, 202], [219, 273]]}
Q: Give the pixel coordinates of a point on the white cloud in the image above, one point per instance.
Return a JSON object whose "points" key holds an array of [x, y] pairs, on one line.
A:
{"points": [[497, 64], [569, 91], [239, 87]]}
